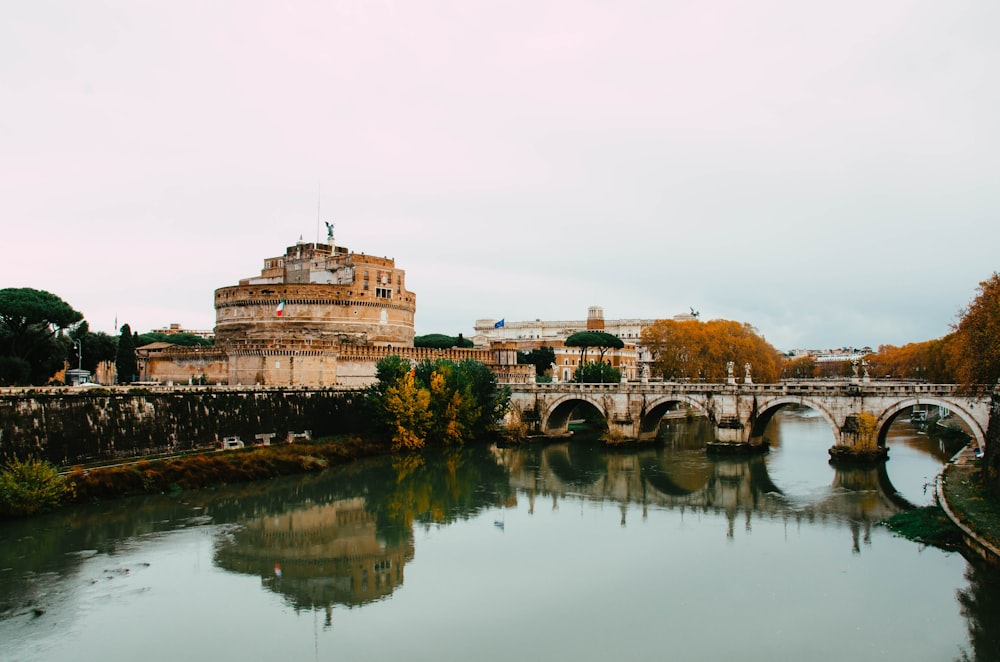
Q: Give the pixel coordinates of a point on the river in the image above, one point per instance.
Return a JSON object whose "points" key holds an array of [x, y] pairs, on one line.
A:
{"points": [[558, 551]]}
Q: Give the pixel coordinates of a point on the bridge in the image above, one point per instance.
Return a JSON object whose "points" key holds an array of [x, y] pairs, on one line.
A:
{"points": [[740, 412]]}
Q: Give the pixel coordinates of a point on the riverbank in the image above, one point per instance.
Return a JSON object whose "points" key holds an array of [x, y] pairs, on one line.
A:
{"points": [[211, 469], [962, 496]]}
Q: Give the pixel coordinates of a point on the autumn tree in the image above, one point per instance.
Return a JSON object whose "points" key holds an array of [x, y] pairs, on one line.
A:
{"points": [[439, 402], [692, 349], [977, 365], [407, 408], [930, 360], [977, 349], [800, 367]]}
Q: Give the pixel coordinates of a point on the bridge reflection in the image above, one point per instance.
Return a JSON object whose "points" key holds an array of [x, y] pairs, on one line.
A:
{"points": [[681, 476]]}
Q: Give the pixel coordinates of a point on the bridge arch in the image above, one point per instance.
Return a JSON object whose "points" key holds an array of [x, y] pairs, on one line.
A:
{"points": [[887, 416], [655, 409], [555, 416], [769, 407]]}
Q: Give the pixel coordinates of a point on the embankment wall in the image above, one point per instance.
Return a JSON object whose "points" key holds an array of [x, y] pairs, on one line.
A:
{"points": [[72, 426]]}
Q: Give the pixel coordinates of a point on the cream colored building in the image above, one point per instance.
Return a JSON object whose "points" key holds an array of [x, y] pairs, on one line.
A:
{"points": [[633, 360]]}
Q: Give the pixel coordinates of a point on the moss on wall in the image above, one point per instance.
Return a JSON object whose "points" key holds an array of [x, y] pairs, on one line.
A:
{"points": [[73, 427]]}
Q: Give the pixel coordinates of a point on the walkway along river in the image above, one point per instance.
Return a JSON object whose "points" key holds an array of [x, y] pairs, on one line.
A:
{"points": [[546, 552]]}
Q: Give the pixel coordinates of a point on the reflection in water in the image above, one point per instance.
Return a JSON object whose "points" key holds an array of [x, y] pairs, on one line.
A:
{"points": [[317, 556], [341, 539]]}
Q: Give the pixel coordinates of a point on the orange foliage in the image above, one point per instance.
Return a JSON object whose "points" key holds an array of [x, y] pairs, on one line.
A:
{"points": [[701, 350], [931, 360]]}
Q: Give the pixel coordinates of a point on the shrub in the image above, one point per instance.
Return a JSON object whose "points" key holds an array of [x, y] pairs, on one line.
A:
{"points": [[30, 487]]}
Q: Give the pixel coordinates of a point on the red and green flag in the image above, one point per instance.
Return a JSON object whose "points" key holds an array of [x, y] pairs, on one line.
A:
{"points": [[280, 309]]}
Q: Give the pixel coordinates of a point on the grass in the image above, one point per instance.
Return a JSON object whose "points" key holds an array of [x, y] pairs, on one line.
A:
{"points": [[966, 496], [928, 525], [216, 468]]}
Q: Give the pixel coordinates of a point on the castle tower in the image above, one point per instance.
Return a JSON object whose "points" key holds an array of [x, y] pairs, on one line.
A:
{"points": [[285, 326]]}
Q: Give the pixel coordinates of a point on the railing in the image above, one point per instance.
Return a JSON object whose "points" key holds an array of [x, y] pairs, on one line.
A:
{"points": [[844, 387]]}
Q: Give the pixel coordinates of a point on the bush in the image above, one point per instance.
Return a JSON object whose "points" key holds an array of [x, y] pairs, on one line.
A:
{"points": [[30, 487]]}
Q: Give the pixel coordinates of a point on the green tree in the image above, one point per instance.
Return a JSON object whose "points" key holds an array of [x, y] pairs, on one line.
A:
{"points": [[32, 326], [602, 340], [596, 372], [542, 358], [96, 347], [183, 339], [29, 487], [441, 341], [125, 362]]}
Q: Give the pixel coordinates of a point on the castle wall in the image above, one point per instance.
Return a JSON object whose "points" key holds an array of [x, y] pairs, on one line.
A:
{"points": [[185, 365], [280, 367], [312, 312]]}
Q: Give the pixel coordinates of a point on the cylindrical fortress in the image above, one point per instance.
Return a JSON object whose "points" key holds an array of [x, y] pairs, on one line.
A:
{"points": [[317, 297]]}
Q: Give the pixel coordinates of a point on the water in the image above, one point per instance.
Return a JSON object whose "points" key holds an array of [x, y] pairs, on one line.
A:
{"points": [[550, 552]]}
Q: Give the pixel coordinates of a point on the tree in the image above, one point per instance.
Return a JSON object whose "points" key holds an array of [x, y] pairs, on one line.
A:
{"points": [[800, 367], [599, 339], [96, 347], [125, 363], [407, 406], [977, 366], [976, 349], [462, 401], [692, 349], [441, 341], [930, 360], [596, 372], [183, 339], [542, 358], [32, 323]]}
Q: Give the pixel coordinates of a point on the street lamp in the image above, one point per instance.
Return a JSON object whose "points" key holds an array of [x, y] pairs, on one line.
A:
{"points": [[79, 353]]}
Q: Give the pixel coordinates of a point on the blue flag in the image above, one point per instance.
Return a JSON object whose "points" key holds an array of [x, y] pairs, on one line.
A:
{"points": [[498, 324]]}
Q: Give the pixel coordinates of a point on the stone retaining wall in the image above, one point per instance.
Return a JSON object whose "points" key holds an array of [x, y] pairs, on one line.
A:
{"points": [[73, 426]]}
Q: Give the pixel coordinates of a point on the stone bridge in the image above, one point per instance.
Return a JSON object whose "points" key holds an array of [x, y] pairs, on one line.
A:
{"points": [[740, 412]]}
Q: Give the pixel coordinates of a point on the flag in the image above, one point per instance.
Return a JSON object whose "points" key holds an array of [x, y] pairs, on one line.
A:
{"points": [[498, 325], [280, 309]]}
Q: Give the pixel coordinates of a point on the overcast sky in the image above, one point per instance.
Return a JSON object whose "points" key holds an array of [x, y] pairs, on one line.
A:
{"points": [[827, 172]]}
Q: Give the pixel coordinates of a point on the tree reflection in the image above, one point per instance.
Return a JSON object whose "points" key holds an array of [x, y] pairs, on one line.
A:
{"points": [[980, 604]]}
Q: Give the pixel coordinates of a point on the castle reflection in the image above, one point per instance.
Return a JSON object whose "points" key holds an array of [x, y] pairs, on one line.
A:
{"points": [[317, 556]]}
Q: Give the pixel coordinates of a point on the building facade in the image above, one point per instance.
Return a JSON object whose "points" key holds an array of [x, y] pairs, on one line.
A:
{"points": [[632, 361]]}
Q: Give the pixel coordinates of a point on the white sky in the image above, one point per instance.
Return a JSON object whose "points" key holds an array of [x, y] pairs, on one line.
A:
{"points": [[824, 171]]}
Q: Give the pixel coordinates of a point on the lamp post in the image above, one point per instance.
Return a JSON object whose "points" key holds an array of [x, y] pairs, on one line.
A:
{"points": [[79, 353]]}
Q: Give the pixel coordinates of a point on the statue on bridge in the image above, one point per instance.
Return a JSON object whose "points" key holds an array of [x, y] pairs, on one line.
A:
{"points": [[730, 378], [746, 376]]}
